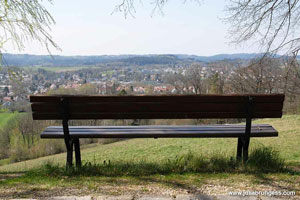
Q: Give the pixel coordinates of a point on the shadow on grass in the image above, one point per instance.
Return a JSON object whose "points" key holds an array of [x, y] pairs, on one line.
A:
{"points": [[263, 179]]}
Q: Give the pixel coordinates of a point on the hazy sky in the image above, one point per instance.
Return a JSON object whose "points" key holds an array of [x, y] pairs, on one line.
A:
{"points": [[90, 28]]}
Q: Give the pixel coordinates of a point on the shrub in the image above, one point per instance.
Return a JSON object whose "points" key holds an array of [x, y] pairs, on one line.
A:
{"points": [[19, 152], [265, 159]]}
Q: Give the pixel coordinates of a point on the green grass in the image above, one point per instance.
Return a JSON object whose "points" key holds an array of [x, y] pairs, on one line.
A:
{"points": [[261, 160], [5, 117], [186, 172], [160, 150]]}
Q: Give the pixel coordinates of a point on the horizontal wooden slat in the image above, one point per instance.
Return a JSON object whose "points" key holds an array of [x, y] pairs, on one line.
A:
{"points": [[161, 131], [156, 115], [155, 107], [271, 98]]}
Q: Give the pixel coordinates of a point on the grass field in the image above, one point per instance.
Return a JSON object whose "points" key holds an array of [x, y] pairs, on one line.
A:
{"points": [[35, 183], [5, 117], [158, 150]]}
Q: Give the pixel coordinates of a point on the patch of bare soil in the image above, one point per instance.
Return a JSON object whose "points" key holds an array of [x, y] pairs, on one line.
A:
{"points": [[170, 189], [295, 168], [5, 176]]}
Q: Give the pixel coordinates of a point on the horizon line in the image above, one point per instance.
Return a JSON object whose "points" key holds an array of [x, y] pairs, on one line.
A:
{"points": [[131, 54]]}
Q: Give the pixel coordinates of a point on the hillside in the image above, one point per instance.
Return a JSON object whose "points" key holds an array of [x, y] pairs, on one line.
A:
{"points": [[156, 150], [56, 60], [5, 117]]}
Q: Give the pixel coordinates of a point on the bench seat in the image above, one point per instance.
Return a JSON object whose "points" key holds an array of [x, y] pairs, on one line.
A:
{"points": [[203, 131]]}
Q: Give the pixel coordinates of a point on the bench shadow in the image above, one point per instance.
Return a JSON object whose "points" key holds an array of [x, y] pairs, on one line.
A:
{"points": [[30, 193], [10, 175], [40, 192], [278, 185]]}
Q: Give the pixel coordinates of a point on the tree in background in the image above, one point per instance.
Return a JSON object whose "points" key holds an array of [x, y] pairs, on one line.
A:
{"points": [[261, 76], [291, 84], [194, 78], [216, 83], [128, 6], [190, 81]]}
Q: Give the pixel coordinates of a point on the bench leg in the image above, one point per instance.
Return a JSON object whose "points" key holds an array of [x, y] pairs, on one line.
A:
{"points": [[69, 153], [239, 149], [242, 149], [77, 152], [245, 149]]}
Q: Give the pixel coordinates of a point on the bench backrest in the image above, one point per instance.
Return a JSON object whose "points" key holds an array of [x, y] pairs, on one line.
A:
{"points": [[156, 107]]}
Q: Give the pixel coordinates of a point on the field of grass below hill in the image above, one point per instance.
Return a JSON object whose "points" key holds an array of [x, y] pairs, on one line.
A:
{"points": [[5, 117], [158, 150]]}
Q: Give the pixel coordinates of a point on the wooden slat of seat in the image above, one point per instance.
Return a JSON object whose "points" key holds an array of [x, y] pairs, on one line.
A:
{"points": [[160, 131], [170, 127]]}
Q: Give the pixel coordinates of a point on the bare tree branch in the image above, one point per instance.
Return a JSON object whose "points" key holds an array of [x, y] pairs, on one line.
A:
{"points": [[23, 20], [274, 24], [127, 7]]}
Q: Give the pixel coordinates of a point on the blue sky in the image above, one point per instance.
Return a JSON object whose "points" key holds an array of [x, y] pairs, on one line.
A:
{"points": [[90, 28]]}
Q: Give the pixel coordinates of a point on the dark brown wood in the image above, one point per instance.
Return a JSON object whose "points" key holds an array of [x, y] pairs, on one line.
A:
{"points": [[246, 138], [69, 162], [68, 143], [66, 134], [239, 149], [77, 152], [246, 106], [155, 115], [155, 107], [270, 98]]}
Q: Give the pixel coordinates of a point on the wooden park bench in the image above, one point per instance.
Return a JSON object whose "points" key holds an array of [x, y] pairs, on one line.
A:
{"points": [[67, 108]]}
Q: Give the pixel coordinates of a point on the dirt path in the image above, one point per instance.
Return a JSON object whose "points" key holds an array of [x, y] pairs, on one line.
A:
{"points": [[162, 197], [134, 192], [177, 187]]}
